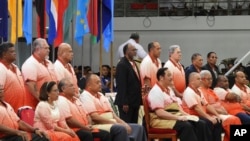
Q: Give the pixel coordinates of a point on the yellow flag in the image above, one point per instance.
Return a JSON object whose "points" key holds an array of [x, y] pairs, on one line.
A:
{"points": [[15, 11]]}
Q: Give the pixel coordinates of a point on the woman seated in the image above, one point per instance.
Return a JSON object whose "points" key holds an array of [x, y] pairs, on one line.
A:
{"points": [[47, 115]]}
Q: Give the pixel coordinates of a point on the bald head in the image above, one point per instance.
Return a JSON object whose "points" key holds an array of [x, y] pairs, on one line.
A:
{"points": [[194, 79], [65, 52], [222, 82], [240, 78], [93, 83]]}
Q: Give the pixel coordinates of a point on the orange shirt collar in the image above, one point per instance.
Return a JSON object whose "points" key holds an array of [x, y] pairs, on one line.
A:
{"points": [[44, 62], [154, 60], [9, 66], [166, 90], [242, 87]]}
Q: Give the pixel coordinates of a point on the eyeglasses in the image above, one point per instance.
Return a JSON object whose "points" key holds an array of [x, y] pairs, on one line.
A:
{"points": [[209, 79]]}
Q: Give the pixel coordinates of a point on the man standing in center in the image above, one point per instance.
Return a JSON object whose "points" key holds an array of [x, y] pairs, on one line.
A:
{"points": [[176, 69], [128, 82], [150, 64], [62, 65], [36, 70]]}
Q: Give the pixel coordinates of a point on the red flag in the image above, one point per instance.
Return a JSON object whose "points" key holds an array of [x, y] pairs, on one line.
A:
{"points": [[62, 6], [93, 18], [40, 9]]}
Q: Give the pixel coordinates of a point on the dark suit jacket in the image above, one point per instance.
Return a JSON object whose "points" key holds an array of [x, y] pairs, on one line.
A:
{"points": [[207, 67], [128, 85]]}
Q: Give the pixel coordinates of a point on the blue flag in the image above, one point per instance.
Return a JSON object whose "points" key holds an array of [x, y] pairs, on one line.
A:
{"points": [[82, 27], [51, 10], [107, 23], [108, 20], [4, 20], [27, 20]]}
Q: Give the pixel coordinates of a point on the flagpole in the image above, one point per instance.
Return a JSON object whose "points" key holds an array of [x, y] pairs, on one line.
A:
{"points": [[101, 44], [111, 65], [91, 36], [72, 33], [17, 52], [82, 55]]}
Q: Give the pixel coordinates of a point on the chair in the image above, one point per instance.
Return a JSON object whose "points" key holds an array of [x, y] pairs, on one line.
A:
{"points": [[156, 133], [26, 114]]}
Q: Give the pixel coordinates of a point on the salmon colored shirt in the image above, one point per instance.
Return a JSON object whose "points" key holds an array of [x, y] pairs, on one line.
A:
{"points": [[33, 70], [178, 74], [8, 117], [149, 68], [14, 90], [232, 108], [72, 108], [66, 72], [192, 98], [243, 92], [99, 104]]}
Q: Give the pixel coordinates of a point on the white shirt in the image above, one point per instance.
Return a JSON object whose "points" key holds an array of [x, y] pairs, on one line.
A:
{"points": [[141, 53]]}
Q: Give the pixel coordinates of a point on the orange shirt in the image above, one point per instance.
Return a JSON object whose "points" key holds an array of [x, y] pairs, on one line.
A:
{"points": [[33, 70], [149, 68], [8, 117], [72, 108], [178, 74], [14, 90], [66, 72]]}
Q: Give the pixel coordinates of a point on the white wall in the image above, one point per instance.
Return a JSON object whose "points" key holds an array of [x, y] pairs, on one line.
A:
{"points": [[229, 36]]}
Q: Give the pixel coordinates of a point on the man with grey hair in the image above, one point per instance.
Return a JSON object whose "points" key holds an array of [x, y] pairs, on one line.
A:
{"points": [[176, 69], [213, 100], [36, 70], [195, 103], [75, 114]]}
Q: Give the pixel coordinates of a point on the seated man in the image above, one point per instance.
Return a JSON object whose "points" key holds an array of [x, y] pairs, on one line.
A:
{"points": [[230, 100], [213, 100], [197, 104], [162, 99], [99, 109], [14, 129], [76, 117], [241, 89]]}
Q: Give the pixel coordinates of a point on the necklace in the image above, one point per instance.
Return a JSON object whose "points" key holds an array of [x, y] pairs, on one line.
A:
{"points": [[52, 106]]}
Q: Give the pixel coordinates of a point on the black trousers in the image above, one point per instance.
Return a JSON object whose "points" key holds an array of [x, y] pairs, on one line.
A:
{"points": [[35, 137], [215, 129], [193, 131], [89, 136], [131, 116]]}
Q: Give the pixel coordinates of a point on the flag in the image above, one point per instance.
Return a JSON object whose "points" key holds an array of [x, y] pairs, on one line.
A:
{"points": [[15, 11], [68, 17], [51, 9], [62, 6], [82, 27], [4, 20], [40, 9], [108, 11], [107, 22], [27, 20], [93, 20]]}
